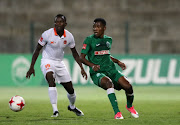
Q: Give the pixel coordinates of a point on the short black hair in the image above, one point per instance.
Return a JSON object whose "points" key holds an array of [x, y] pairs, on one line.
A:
{"points": [[61, 16], [100, 20]]}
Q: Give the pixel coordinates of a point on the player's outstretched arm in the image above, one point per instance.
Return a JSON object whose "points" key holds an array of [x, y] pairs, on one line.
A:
{"points": [[77, 58], [121, 64], [33, 61], [86, 62]]}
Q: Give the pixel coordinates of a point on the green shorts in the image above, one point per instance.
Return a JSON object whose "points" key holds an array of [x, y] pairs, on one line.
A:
{"points": [[114, 75]]}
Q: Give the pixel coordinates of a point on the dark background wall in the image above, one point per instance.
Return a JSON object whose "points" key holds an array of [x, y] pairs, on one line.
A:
{"points": [[154, 25]]}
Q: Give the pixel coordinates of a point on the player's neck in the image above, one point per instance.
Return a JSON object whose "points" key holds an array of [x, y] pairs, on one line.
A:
{"points": [[100, 37], [60, 33]]}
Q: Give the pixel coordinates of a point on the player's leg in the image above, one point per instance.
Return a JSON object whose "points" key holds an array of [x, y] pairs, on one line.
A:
{"points": [[128, 90], [52, 92], [63, 77], [70, 93], [47, 67], [106, 84], [101, 80], [72, 98], [124, 83]]}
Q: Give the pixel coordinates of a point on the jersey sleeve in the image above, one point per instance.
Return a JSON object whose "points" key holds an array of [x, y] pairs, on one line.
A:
{"points": [[86, 46], [43, 40], [110, 43], [72, 42]]}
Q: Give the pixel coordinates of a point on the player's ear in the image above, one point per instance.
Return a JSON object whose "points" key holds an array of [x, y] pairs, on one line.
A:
{"points": [[65, 24], [104, 28]]}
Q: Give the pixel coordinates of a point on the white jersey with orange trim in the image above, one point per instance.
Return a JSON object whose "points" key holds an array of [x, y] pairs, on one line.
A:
{"points": [[53, 44]]}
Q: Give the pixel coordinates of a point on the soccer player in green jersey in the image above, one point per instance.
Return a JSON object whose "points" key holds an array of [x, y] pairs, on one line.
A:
{"points": [[102, 67]]}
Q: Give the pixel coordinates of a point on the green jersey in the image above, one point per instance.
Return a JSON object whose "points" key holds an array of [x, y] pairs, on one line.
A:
{"points": [[98, 52]]}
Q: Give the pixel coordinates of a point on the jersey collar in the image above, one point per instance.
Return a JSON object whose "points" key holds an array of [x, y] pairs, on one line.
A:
{"points": [[98, 37], [55, 33]]}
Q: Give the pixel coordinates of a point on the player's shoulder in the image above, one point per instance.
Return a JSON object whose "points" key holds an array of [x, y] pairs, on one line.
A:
{"points": [[68, 33], [48, 31], [89, 37], [107, 37]]}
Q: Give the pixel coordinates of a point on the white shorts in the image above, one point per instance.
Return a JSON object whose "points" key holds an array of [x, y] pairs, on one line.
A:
{"points": [[59, 69]]}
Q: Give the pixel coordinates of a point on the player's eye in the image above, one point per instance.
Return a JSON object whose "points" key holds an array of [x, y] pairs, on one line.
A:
{"points": [[59, 22]]}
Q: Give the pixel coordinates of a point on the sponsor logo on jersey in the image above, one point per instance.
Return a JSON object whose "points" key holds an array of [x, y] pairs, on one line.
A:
{"points": [[84, 46], [47, 66], [98, 44], [108, 44], [41, 39], [52, 42], [98, 74], [102, 52], [65, 42]]}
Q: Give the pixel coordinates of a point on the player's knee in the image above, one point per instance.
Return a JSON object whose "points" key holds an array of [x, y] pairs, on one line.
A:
{"points": [[68, 86], [108, 84], [50, 79], [129, 89], [52, 84], [71, 91]]}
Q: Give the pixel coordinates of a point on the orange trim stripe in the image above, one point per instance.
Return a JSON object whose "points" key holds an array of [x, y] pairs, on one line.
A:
{"points": [[55, 33], [64, 33]]}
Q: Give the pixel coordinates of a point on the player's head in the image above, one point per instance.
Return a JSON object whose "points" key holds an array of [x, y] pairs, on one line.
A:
{"points": [[60, 22], [99, 26]]}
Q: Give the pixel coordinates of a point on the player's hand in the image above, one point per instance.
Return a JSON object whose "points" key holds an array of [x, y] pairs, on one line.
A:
{"points": [[96, 67], [122, 65], [30, 71], [83, 73]]}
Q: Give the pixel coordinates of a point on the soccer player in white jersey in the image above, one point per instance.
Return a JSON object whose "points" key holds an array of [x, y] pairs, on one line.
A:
{"points": [[53, 42]]}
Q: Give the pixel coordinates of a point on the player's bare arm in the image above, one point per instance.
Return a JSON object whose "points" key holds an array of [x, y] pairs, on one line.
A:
{"points": [[121, 64], [77, 58], [86, 62], [33, 61]]}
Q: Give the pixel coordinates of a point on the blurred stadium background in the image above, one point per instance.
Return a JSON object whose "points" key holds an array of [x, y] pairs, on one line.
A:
{"points": [[145, 36], [153, 24]]}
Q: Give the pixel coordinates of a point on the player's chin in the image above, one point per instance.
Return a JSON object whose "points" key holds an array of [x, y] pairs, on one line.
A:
{"points": [[58, 29], [96, 35]]}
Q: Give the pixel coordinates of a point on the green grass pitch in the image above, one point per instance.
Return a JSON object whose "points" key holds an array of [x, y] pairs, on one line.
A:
{"points": [[156, 106]]}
